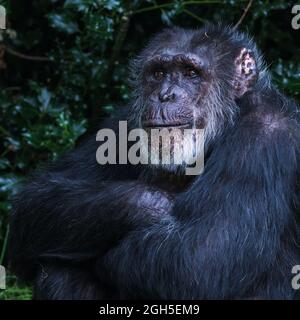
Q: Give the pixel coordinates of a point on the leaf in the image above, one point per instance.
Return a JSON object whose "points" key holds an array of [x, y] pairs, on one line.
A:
{"points": [[4, 163], [44, 98], [63, 23], [8, 182]]}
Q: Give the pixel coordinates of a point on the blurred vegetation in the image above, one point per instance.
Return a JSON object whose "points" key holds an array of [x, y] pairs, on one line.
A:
{"points": [[63, 66]]}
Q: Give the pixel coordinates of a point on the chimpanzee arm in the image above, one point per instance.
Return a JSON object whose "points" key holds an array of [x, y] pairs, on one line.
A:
{"points": [[235, 231], [75, 208]]}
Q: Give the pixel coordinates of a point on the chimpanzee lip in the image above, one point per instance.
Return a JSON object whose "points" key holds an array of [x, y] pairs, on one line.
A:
{"points": [[153, 124]]}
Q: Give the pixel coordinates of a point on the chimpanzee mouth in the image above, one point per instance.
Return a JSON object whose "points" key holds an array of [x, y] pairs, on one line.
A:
{"points": [[162, 125]]}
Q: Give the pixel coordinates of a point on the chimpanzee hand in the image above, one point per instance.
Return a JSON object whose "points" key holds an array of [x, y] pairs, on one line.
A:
{"points": [[151, 201]]}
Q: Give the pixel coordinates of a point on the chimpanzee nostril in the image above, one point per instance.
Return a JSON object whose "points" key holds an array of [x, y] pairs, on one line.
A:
{"points": [[165, 97]]}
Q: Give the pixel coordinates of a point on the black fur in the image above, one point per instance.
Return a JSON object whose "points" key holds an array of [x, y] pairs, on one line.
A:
{"points": [[82, 231]]}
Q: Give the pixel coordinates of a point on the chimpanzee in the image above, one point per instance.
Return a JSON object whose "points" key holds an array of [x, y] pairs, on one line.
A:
{"points": [[80, 230]]}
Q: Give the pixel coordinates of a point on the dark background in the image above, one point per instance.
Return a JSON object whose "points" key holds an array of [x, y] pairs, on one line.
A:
{"points": [[63, 67]]}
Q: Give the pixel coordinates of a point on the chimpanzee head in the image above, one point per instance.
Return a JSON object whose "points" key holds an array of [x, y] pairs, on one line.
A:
{"points": [[195, 78]]}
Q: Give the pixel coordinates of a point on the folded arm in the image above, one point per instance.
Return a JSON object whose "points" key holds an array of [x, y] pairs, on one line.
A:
{"points": [[225, 235]]}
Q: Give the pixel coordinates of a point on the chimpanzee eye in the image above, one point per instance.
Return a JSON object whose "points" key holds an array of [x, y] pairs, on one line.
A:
{"points": [[159, 74], [191, 73]]}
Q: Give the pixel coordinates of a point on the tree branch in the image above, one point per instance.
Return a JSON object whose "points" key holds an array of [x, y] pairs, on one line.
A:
{"points": [[183, 4], [193, 15], [244, 14], [25, 56]]}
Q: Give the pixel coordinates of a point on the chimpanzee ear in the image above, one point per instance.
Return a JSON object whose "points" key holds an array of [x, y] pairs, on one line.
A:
{"points": [[246, 72]]}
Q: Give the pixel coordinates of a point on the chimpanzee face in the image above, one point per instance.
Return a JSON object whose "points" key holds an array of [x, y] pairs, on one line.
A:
{"points": [[190, 78], [174, 86]]}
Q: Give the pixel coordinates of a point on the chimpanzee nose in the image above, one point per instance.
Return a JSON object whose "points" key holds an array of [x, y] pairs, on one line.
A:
{"points": [[167, 96]]}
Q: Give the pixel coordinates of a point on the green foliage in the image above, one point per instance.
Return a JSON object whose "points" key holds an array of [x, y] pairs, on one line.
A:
{"points": [[63, 66], [15, 291]]}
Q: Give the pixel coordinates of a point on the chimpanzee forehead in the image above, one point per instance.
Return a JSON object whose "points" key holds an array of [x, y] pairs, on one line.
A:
{"points": [[194, 45], [178, 57], [177, 52]]}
